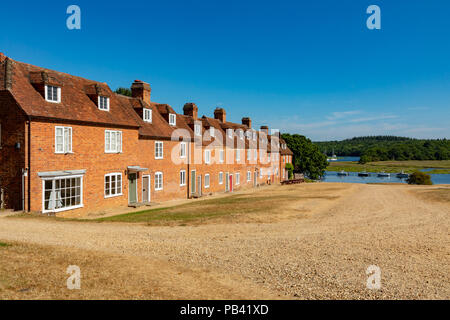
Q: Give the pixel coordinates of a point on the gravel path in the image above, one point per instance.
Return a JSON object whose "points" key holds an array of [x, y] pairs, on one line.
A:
{"points": [[322, 256]]}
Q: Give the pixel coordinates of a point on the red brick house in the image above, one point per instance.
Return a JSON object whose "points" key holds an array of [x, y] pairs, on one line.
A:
{"points": [[72, 145]]}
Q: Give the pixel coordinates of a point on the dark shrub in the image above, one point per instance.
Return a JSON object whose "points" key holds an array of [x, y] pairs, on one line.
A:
{"points": [[419, 178], [290, 168]]}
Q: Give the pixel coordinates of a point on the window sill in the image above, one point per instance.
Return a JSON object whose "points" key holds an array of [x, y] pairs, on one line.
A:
{"points": [[63, 209], [159, 158], [158, 189], [114, 196], [113, 152]]}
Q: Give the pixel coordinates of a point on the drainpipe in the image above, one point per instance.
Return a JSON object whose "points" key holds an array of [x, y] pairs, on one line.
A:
{"points": [[188, 175]]}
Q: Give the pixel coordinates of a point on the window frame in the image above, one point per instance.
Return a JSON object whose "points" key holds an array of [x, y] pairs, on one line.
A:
{"points": [[209, 180], [157, 156], [145, 115], [58, 94], [53, 185], [183, 146], [221, 156], [114, 174], [238, 155], [159, 173], [249, 176], [99, 103], [182, 176], [172, 119], [237, 176], [64, 151], [117, 150], [197, 130], [207, 156], [220, 177]]}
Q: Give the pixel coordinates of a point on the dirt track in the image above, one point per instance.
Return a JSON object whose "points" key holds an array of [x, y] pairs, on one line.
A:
{"points": [[321, 255]]}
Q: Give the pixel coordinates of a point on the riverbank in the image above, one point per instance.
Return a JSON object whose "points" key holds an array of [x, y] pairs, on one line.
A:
{"points": [[430, 166]]}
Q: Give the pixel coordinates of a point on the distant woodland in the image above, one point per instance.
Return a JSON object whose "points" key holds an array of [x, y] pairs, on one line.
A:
{"points": [[384, 148]]}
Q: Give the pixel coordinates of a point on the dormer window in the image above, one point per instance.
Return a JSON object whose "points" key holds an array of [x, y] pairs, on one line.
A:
{"points": [[197, 129], [147, 115], [211, 131], [241, 134], [103, 103], [53, 94], [254, 135], [172, 119], [230, 133]]}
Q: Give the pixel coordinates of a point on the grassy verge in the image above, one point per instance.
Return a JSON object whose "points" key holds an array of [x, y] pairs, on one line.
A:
{"points": [[442, 167], [207, 209]]}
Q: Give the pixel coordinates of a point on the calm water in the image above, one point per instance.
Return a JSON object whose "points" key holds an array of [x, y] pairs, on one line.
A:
{"points": [[331, 176]]}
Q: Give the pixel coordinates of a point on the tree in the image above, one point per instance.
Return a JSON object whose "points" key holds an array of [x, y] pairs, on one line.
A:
{"points": [[419, 178], [290, 168], [307, 156], [123, 91]]}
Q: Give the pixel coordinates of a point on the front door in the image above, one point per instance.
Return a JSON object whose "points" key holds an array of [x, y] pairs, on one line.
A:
{"points": [[231, 183], [193, 182], [255, 178], [199, 185], [132, 188], [227, 182], [146, 189]]}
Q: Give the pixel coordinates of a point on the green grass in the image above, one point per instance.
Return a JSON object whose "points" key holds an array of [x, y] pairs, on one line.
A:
{"points": [[442, 167], [205, 209], [2, 244]]}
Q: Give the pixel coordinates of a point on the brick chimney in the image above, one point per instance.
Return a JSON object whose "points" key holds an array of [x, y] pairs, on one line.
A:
{"points": [[265, 129], [190, 109], [2, 57], [220, 114], [142, 90], [247, 122]]}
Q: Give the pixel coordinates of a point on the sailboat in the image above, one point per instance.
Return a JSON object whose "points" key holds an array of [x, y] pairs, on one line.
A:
{"points": [[402, 175], [384, 174], [333, 157]]}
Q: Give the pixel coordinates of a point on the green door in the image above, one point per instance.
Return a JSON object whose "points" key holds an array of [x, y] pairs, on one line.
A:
{"points": [[132, 188], [193, 181]]}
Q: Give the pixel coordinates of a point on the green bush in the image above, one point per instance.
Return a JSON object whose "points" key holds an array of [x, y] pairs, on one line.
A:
{"points": [[419, 178], [290, 168]]}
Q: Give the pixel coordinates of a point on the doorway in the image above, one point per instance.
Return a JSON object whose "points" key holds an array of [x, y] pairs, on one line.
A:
{"points": [[132, 188], [231, 183], [193, 181], [199, 185], [146, 189]]}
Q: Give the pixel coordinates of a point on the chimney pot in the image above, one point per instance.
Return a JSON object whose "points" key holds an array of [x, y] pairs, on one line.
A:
{"points": [[191, 109], [141, 90], [265, 129], [247, 122], [220, 115]]}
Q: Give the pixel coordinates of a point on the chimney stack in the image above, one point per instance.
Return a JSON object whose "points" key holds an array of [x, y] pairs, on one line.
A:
{"points": [[141, 90], [265, 129], [190, 109], [2, 57], [220, 114], [247, 122]]}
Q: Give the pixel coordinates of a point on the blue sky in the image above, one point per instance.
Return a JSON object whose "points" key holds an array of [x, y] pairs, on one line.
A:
{"points": [[308, 67]]}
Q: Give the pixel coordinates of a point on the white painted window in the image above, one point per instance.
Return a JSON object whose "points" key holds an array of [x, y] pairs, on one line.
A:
{"points": [[220, 177], [197, 130], [230, 133], [53, 94], [113, 141], [62, 193], [207, 156], [159, 150], [238, 155], [238, 177], [249, 176], [221, 156], [172, 119], [255, 155], [261, 173], [207, 180], [183, 150], [254, 135], [103, 103], [147, 115], [113, 185], [211, 131], [182, 177], [248, 134], [158, 181], [249, 154], [241, 134], [63, 139]]}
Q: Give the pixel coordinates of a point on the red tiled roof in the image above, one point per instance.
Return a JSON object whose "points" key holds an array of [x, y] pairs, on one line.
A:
{"points": [[75, 104]]}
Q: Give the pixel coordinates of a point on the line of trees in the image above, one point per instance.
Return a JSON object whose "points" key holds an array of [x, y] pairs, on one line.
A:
{"points": [[307, 157], [384, 148]]}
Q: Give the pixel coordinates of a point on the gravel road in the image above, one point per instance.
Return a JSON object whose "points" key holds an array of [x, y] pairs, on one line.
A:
{"points": [[323, 255]]}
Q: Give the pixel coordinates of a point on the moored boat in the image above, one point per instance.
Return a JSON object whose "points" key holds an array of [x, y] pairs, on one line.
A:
{"points": [[363, 174], [384, 174], [402, 175], [342, 173]]}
